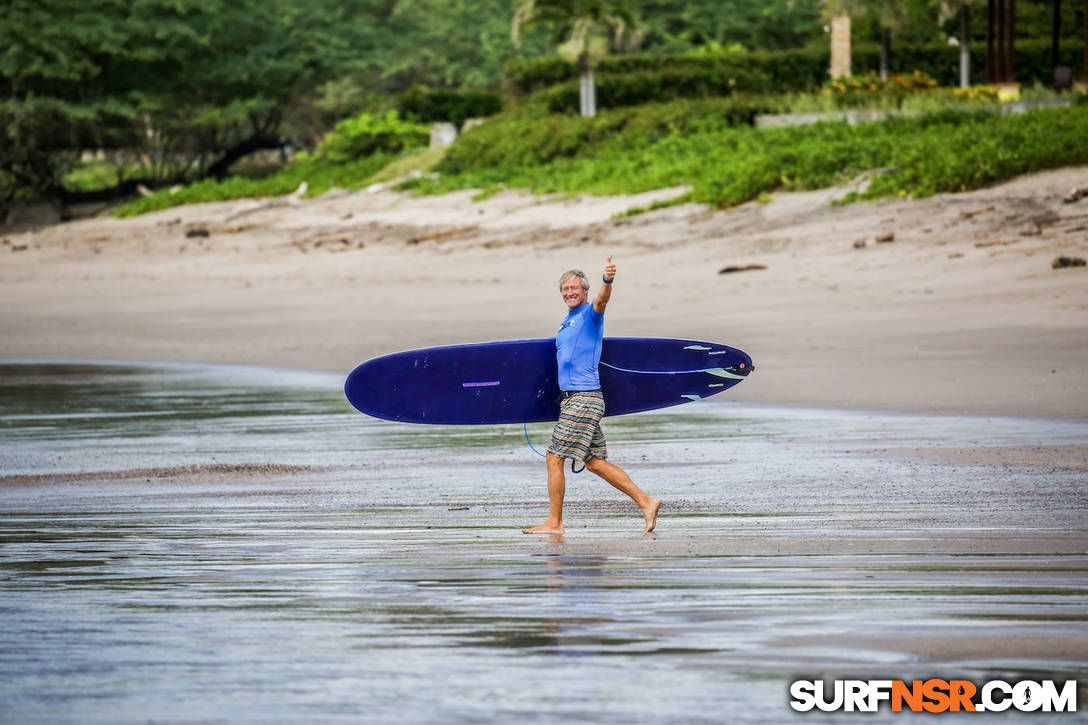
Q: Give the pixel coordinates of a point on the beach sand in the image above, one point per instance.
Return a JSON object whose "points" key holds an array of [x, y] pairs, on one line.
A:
{"points": [[961, 313]]}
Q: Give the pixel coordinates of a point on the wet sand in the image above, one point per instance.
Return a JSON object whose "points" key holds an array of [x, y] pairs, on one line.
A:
{"points": [[392, 583]]}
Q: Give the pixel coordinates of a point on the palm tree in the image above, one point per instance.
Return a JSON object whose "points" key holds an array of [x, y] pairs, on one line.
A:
{"points": [[839, 12], [590, 24], [890, 15]]}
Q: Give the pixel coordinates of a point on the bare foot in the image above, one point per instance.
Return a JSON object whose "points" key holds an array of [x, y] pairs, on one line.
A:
{"points": [[649, 512], [545, 528]]}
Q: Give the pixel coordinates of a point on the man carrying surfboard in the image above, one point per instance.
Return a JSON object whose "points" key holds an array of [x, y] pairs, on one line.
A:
{"points": [[577, 434]]}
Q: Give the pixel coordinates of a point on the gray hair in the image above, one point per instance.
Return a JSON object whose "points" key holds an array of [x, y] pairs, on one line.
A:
{"points": [[574, 273]]}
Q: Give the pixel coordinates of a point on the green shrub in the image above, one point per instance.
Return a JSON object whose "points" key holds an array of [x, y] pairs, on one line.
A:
{"points": [[431, 105], [363, 135], [515, 140], [525, 75]]}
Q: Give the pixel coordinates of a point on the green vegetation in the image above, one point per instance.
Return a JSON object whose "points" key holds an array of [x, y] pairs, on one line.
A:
{"points": [[349, 155], [709, 144], [526, 138], [422, 160], [727, 165], [319, 176], [98, 174], [188, 87], [185, 85], [429, 105], [363, 135], [360, 151], [179, 91], [529, 135]]}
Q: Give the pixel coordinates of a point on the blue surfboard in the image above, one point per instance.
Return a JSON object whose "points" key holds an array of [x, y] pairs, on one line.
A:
{"points": [[517, 381]]}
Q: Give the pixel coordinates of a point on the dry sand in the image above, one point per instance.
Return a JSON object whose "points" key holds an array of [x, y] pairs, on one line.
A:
{"points": [[961, 313]]}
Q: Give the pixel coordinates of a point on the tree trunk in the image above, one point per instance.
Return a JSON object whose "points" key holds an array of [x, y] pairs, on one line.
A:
{"points": [[221, 165], [1084, 70], [885, 50], [1010, 47], [1055, 36], [588, 94], [965, 49], [991, 58], [1001, 35]]}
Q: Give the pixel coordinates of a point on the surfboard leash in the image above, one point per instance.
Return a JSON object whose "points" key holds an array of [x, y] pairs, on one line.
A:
{"points": [[525, 427]]}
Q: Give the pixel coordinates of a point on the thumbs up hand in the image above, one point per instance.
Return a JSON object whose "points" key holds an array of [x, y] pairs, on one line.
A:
{"points": [[609, 270]]}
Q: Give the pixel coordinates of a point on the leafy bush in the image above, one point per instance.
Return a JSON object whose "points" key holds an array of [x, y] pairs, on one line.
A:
{"points": [[525, 75], [866, 84], [363, 135], [431, 105], [982, 151], [525, 139]]}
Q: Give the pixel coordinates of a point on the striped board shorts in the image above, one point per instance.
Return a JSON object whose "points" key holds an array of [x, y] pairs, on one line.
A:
{"points": [[578, 433]]}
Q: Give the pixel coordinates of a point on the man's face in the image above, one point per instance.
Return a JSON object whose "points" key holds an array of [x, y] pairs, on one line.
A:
{"points": [[573, 292]]}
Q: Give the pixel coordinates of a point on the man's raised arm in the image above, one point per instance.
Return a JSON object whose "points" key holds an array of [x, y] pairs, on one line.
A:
{"points": [[606, 287]]}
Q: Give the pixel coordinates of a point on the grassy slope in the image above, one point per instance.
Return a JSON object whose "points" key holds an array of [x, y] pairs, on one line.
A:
{"points": [[726, 166], [704, 144], [319, 176]]}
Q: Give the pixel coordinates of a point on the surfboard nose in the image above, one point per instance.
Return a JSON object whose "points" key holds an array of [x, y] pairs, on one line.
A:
{"points": [[742, 368]]}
